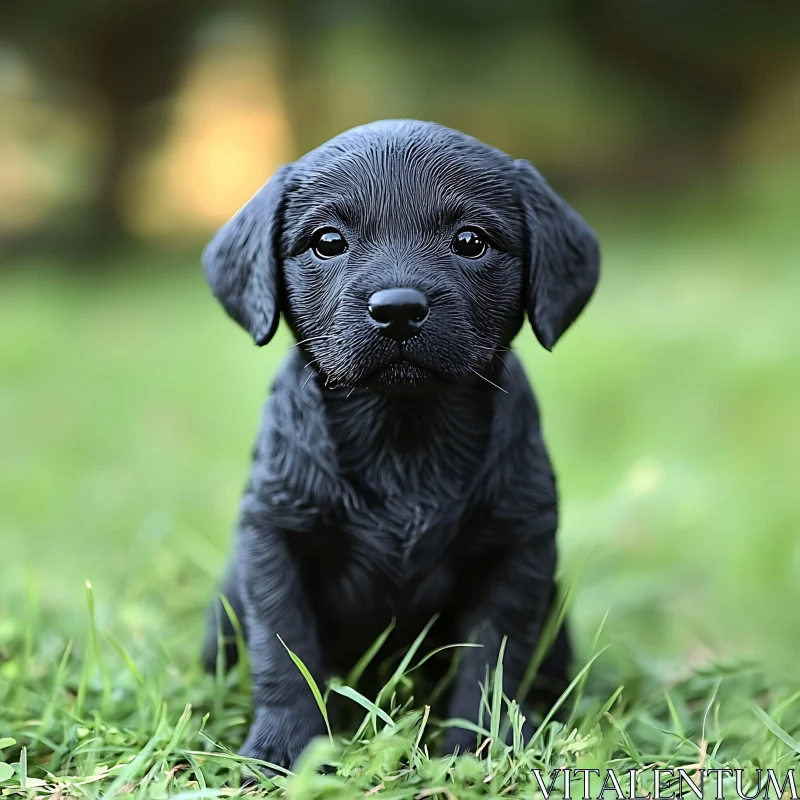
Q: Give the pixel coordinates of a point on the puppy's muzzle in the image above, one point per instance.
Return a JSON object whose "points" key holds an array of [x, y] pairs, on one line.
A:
{"points": [[398, 313]]}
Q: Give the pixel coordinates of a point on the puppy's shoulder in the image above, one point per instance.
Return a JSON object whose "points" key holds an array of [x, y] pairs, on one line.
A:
{"points": [[294, 458], [516, 409], [519, 481], [293, 408]]}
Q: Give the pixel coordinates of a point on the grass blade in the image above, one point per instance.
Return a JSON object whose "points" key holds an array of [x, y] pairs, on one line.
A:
{"points": [[673, 712], [241, 645], [776, 729], [312, 684], [604, 709], [443, 648], [126, 657], [357, 697], [565, 694], [457, 722], [549, 632], [358, 670], [497, 699], [390, 686], [582, 684]]}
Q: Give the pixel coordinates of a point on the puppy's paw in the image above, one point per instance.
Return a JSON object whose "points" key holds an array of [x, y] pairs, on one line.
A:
{"points": [[279, 735]]}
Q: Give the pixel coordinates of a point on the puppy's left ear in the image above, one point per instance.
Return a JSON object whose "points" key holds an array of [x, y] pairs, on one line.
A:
{"points": [[562, 254], [242, 263]]}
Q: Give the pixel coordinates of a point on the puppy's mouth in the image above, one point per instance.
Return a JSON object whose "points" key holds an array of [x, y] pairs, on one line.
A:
{"points": [[397, 370], [403, 373]]}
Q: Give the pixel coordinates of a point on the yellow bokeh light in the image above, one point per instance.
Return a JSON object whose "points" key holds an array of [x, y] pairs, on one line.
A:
{"points": [[229, 134]]}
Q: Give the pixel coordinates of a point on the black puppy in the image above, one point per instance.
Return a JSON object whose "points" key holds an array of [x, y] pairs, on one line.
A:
{"points": [[400, 470]]}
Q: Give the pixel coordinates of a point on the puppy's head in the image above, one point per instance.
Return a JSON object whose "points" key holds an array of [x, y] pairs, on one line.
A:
{"points": [[404, 254]]}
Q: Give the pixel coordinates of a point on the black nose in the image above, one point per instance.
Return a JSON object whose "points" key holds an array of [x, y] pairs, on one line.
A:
{"points": [[398, 312]]}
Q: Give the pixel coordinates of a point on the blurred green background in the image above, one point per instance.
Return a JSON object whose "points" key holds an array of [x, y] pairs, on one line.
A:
{"points": [[128, 402]]}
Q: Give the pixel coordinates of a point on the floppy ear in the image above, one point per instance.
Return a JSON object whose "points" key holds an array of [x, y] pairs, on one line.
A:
{"points": [[563, 257], [242, 265]]}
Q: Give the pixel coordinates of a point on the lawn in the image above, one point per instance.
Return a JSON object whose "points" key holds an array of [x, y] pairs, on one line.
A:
{"points": [[127, 408]]}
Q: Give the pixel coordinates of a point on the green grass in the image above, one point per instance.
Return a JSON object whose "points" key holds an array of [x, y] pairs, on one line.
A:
{"points": [[127, 408]]}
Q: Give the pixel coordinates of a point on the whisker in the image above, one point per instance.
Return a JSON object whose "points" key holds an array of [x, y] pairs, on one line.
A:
{"points": [[351, 391], [496, 348], [310, 376], [309, 339], [503, 364], [483, 377]]}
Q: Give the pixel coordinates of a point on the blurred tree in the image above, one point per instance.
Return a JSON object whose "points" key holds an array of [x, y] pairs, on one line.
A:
{"points": [[123, 56], [699, 61], [705, 59]]}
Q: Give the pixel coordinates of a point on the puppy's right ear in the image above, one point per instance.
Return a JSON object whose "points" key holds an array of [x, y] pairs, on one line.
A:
{"points": [[242, 261]]}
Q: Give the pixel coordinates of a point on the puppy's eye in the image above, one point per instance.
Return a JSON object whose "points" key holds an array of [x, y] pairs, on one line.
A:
{"points": [[327, 243], [469, 243]]}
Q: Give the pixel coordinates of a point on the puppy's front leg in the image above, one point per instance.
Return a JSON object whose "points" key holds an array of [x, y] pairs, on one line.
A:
{"points": [[276, 605], [514, 604]]}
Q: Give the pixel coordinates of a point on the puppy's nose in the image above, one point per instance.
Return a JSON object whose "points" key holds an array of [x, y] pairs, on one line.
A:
{"points": [[398, 312]]}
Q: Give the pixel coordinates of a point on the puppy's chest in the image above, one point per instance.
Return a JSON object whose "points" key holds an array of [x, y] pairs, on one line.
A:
{"points": [[394, 562], [409, 504], [396, 530], [390, 545], [377, 510]]}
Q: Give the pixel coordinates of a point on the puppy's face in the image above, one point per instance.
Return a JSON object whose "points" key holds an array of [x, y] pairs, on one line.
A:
{"points": [[403, 255]]}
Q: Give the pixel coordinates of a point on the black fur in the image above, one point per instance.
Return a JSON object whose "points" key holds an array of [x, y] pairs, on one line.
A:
{"points": [[397, 480]]}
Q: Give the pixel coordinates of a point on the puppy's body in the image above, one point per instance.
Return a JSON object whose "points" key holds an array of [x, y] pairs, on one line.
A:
{"points": [[397, 475], [396, 506]]}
